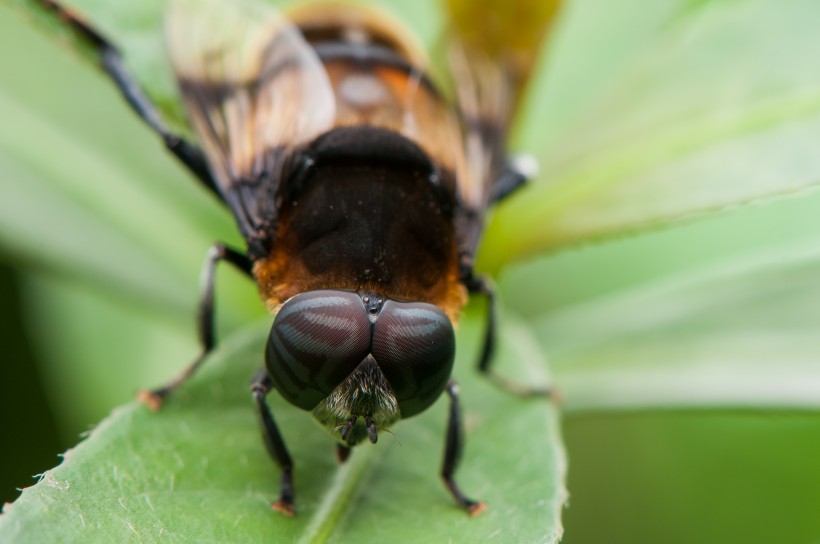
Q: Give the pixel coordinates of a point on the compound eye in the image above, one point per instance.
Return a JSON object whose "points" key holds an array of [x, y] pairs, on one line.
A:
{"points": [[318, 338], [414, 346]]}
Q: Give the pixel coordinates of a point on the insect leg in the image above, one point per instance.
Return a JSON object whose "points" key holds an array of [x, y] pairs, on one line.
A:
{"points": [[111, 61], [483, 286], [454, 445], [342, 452], [518, 171], [205, 320], [507, 183], [260, 387], [190, 155]]}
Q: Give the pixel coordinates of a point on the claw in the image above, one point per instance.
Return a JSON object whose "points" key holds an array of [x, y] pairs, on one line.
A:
{"points": [[372, 434], [476, 509], [151, 399], [285, 508], [348, 427]]}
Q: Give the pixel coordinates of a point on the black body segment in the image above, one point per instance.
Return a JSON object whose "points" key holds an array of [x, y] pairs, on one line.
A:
{"points": [[369, 57], [370, 145], [368, 224]]}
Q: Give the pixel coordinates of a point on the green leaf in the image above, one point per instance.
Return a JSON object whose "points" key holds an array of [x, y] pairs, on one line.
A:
{"points": [[709, 107], [98, 350], [32, 207], [197, 471], [558, 281], [95, 351], [738, 335]]}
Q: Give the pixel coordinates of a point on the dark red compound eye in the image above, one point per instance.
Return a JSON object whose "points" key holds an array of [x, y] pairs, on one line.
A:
{"points": [[318, 338], [414, 346]]}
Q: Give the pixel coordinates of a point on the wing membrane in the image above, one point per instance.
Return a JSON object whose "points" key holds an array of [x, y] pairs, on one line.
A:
{"points": [[254, 90], [492, 50]]}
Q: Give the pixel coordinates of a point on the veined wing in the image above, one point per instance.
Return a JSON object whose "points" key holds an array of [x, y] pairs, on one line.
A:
{"points": [[254, 91], [492, 49]]}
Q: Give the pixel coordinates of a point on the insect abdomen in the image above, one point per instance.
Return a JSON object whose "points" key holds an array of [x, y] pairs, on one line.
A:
{"points": [[378, 77]]}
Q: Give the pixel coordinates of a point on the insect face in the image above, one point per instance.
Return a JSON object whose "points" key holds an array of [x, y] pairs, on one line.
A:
{"points": [[343, 356]]}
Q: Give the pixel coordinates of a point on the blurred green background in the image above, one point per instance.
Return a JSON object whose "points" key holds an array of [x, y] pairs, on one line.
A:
{"points": [[31, 436], [688, 475]]}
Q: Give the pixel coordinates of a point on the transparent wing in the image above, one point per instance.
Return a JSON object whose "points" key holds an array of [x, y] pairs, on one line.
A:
{"points": [[254, 91], [492, 48]]}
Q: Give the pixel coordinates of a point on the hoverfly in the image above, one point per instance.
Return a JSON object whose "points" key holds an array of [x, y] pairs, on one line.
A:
{"points": [[360, 190]]}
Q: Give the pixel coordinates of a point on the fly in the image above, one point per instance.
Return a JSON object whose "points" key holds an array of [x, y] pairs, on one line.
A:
{"points": [[360, 190]]}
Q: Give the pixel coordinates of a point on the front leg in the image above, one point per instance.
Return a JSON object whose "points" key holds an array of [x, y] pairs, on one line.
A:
{"points": [[275, 444], [453, 447], [205, 320]]}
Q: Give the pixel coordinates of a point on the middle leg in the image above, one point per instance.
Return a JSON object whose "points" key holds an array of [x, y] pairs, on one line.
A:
{"points": [[205, 321], [481, 285], [453, 447]]}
